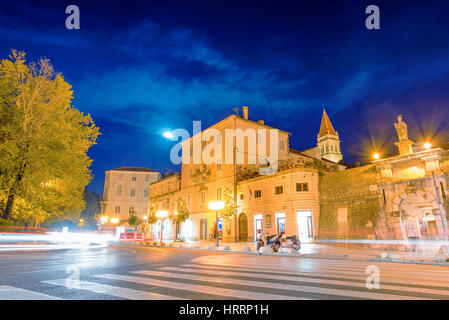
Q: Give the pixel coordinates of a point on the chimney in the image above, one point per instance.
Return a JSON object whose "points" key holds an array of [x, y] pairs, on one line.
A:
{"points": [[245, 112], [261, 122]]}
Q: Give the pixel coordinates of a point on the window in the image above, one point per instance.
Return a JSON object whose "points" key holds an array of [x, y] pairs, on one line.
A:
{"points": [[342, 215], [219, 165], [133, 192], [162, 189], [120, 176], [167, 204], [117, 209], [218, 194], [146, 193], [302, 187], [203, 145], [203, 197], [131, 209], [279, 190], [281, 144], [119, 191], [133, 178], [147, 178], [258, 194], [189, 200]]}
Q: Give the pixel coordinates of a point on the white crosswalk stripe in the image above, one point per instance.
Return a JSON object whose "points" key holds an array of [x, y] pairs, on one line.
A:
{"points": [[345, 275], [201, 288], [13, 293], [308, 279], [299, 288], [114, 291]]}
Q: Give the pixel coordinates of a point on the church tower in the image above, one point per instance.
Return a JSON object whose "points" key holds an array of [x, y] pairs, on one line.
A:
{"points": [[328, 141]]}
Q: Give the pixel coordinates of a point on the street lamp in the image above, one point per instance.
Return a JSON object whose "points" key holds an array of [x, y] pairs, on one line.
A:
{"points": [[104, 219], [161, 214], [376, 156], [216, 206], [115, 220], [427, 145]]}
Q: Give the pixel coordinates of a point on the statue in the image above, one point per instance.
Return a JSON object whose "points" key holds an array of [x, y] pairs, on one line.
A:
{"points": [[401, 129]]}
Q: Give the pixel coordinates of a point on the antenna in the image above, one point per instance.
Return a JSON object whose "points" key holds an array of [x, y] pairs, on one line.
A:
{"points": [[236, 110]]}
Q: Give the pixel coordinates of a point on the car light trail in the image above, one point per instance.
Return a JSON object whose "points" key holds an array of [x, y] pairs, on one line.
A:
{"points": [[57, 240]]}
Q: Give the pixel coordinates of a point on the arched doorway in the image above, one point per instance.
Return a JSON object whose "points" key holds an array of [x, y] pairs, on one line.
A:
{"points": [[417, 217], [243, 227]]}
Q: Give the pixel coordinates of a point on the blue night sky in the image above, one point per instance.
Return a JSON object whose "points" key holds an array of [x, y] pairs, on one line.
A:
{"points": [[143, 67]]}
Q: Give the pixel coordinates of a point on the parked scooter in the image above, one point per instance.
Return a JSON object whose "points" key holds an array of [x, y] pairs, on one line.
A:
{"points": [[293, 243], [275, 241]]}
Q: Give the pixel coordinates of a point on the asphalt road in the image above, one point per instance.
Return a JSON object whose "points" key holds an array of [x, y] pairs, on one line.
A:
{"points": [[135, 272]]}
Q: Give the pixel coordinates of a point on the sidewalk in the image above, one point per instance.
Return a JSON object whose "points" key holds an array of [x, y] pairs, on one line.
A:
{"points": [[314, 250]]}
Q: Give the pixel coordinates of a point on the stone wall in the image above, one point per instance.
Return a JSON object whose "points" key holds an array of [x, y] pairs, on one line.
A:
{"points": [[349, 203]]}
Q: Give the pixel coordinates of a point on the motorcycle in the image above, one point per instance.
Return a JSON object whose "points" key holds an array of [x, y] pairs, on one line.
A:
{"points": [[275, 241], [293, 243]]}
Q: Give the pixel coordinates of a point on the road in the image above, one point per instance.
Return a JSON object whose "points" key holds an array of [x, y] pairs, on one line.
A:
{"points": [[135, 272]]}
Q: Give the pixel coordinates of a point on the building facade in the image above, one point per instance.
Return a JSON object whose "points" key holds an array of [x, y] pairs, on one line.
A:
{"points": [[399, 197], [284, 200], [127, 189]]}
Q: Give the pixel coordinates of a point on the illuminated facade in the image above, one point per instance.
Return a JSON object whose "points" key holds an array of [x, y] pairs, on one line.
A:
{"points": [[127, 189], [284, 201]]}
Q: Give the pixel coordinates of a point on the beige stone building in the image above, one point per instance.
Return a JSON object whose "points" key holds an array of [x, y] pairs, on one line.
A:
{"points": [[399, 197], [285, 199], [127, 189]]}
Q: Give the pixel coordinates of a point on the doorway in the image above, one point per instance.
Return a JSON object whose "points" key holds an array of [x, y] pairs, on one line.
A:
{"points": [[243, 227], [203, 229], [257, 224], [305, 226], [280, 222]]}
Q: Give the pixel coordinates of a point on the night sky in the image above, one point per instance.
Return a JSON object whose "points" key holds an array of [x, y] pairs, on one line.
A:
{"points": [[143, 67]]}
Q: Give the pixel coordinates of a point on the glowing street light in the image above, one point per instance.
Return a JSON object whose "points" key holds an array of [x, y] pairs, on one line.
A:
{"points": [[427, 145], [104, 219], [216, 206], [115, 220], [376, 156], [162, 214]]}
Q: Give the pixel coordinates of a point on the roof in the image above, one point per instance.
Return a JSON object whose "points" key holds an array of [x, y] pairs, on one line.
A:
{"points": [[326, 126], [138, 169]]}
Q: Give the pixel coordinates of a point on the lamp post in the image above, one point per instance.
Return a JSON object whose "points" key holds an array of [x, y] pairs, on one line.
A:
{"points": [[161, 214], [216, 206]]}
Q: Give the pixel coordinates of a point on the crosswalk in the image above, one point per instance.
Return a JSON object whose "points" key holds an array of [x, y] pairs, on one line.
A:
{"points": [[253, 278]]}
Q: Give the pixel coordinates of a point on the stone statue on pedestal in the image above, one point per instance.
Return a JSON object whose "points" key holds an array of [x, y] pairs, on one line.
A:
{"points": [[401, 129], [404, 144]]}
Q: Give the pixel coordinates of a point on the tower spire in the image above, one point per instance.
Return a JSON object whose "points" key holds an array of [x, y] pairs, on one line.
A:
{"points": [[328, 141]]}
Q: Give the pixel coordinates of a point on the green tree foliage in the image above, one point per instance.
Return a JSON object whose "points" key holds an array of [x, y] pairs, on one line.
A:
{"points": [[44, 141], [230, 207], [183, 214], [151, 216], [133, 220]]}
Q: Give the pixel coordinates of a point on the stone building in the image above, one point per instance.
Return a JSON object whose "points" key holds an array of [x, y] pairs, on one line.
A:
{"points": [[127, 189], [285, 200], [399, 197]]}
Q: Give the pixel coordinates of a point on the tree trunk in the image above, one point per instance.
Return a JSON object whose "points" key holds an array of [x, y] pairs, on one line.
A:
{"points": [[8, 208], [11, 194]]}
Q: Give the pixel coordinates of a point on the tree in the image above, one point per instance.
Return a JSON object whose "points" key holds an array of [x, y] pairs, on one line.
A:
{"points": [[44, 141], [183, 214], [133, 219], [230, 207]]}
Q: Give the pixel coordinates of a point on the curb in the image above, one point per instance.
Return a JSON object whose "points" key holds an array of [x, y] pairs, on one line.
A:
{"points": [[311, 256]]}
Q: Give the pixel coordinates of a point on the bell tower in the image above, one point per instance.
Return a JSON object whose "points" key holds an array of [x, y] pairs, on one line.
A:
{"points": [[328, 141]]}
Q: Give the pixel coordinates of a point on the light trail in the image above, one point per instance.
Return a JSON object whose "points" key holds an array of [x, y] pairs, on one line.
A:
{"points": [[57, 240]]}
